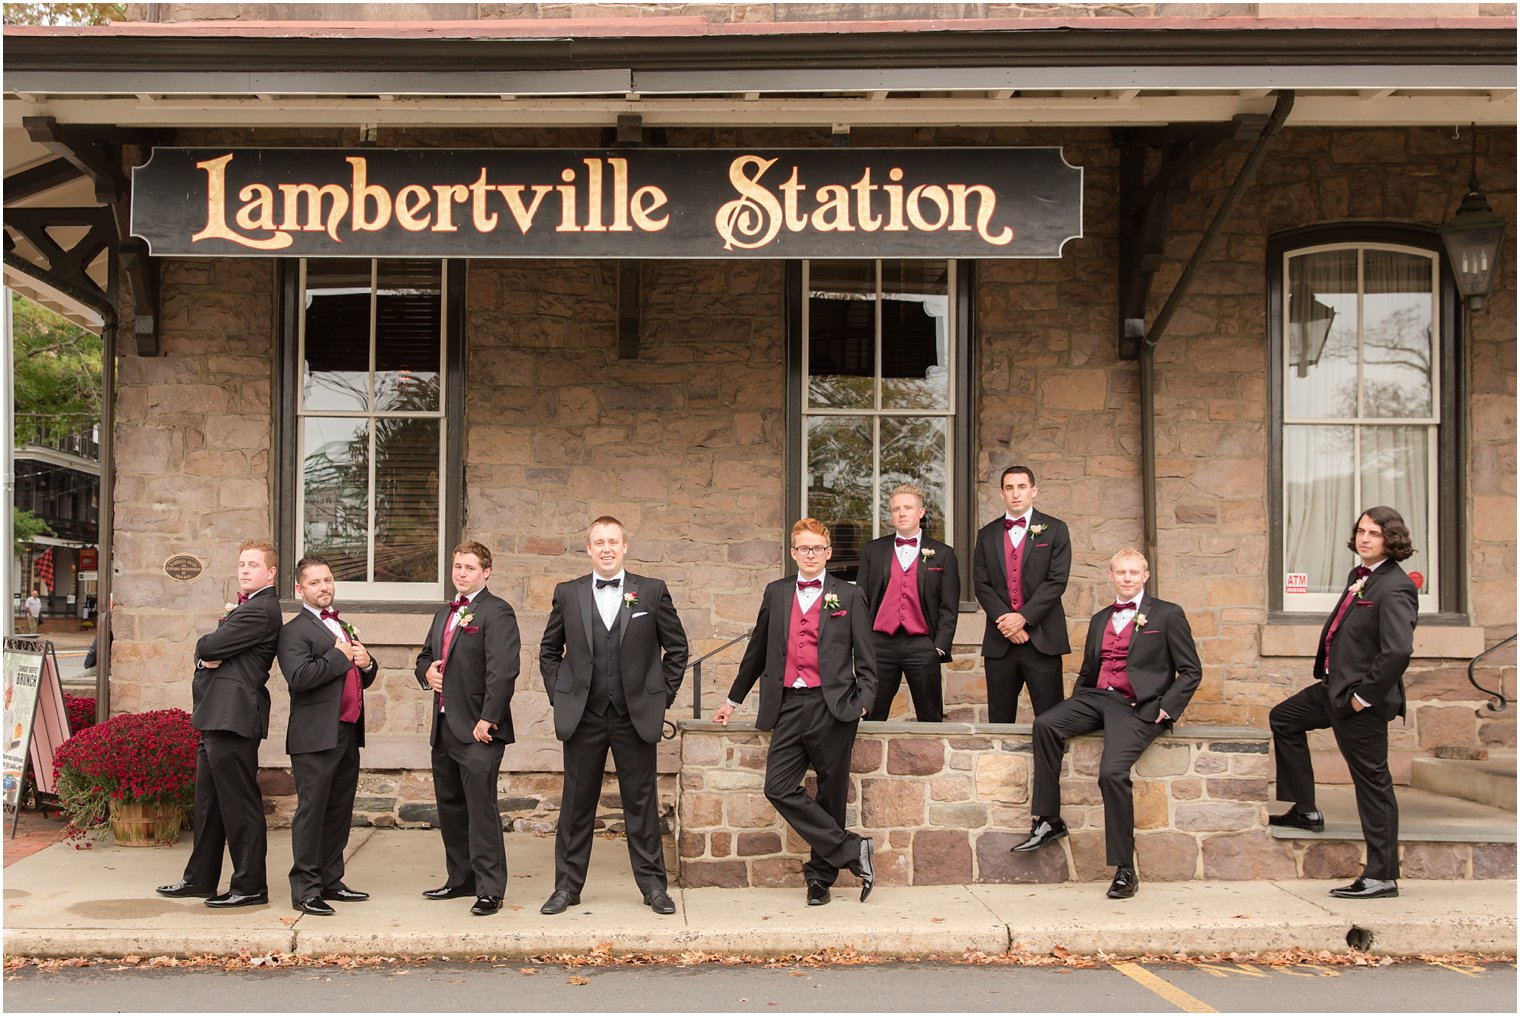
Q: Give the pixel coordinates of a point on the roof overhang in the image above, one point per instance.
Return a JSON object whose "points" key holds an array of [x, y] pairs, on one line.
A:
{"points": [[685, 72]]}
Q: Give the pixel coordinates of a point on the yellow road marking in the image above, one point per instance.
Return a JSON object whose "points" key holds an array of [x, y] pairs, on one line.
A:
{"points": [[1163, 988], [1465, 969]]}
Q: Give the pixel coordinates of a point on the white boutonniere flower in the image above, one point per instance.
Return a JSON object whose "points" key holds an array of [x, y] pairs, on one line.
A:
{"points": [[1358, 586], [1036, 530], [927, 553], [349, 630], [630, 600], [831, 601], [466, 616], [1140, 620]]}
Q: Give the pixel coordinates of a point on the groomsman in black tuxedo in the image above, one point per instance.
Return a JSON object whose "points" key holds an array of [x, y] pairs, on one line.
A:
{"points": [[912, 587], [1139, 671], [811, 652], [470, 663], [1019, 571], [1363, 651], [231, 710], [327, 668], [612, 658]]}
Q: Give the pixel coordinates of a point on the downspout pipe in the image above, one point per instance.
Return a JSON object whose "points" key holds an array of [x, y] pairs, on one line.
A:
{"points": [[1174, 300]]}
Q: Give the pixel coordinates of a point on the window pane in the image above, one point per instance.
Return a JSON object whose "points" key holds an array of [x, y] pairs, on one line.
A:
{"points": [[915, 335], [1318, 503], [1397, 334], [1320, 335], [839, 488], [408, 323], [336, 372], [842, 334], [915, 450], [336, 492], [1396, 473], [406, 500]]}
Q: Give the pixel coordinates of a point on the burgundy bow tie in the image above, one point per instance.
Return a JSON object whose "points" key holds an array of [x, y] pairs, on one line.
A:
{"points": [[1010, 523], [329, 614], [811, 584], [911, 542], [1128, 605], [242, 599], [1362, 571], [454, 605]]}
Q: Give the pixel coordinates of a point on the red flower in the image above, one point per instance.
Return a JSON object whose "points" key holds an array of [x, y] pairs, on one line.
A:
{"points": [[135, 757]]}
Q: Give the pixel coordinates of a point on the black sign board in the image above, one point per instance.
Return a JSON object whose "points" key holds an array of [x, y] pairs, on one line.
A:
{"points": [[616, 203]]}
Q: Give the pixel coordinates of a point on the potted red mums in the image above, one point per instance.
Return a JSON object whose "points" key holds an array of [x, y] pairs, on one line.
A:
{"points": [[135, 771]]}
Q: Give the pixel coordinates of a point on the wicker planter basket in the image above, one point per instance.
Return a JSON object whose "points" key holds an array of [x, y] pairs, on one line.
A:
{"points": [[145, 825]]}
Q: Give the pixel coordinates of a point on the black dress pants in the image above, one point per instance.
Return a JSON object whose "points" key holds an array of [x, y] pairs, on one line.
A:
{"points": [[638, 783], [229, 813], [808, 735], [1363, 740], [326, 783], [464, 781], [915, 656], [1023, 666], [1125, 738]]}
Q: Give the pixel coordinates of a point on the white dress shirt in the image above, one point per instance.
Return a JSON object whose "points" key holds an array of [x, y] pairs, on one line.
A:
{"points": [[1017, 533], [608, 598], [906, 554]]}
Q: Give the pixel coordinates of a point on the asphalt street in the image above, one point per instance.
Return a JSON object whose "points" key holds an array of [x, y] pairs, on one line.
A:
{"points": [[516, 987]]}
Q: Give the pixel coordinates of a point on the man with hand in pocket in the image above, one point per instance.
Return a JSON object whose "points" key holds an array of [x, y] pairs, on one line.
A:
{"points": [[612, 658]]}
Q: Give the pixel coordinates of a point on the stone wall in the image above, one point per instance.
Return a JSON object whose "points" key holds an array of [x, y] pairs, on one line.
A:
{"points": [[945, 802]]}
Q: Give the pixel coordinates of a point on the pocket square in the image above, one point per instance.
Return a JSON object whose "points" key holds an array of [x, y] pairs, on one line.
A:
{"points": [[1365, 603], [840, 613], [468, 629], [1150, 631], [936, 569], [642, 613], [1042, 545]]}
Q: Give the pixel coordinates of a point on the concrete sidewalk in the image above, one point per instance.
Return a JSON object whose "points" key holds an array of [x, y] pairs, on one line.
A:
{"points": [[100, 902]]}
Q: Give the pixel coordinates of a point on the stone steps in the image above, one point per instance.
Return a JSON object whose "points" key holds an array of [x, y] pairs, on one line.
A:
{"points": [[1424, 817], [1488, 781]]}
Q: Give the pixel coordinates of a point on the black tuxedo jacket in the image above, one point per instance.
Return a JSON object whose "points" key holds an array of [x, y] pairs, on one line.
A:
{"points": [[1045, 567], [652, 653], [234, 696], [846, 658], [1373, 645], [481, 671], [1162, 665], [939, 583], [315, 670]]}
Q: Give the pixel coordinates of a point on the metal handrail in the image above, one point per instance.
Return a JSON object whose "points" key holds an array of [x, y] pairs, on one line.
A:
{"points": [[1473, 663], [696, 673]]}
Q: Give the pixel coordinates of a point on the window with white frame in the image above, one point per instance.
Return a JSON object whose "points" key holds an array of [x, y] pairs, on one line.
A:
{"points": [[879, 395], [1360, 349], [371, 424]]}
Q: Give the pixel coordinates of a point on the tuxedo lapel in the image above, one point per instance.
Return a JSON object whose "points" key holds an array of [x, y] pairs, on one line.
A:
{"points": [[624, 610], [587, 600], [998, 534], [786, 598], [1134, 632]]}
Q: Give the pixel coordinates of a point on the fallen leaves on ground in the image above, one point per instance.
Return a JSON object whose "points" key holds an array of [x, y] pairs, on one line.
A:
{"points": [[577, 981]]}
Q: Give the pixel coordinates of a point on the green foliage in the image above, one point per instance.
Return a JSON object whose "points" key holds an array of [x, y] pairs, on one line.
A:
{"points": [[57, 373], [24, 526], [63, 14]]}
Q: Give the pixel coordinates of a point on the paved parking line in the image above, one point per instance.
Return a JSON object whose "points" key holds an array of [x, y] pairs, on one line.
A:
{"points": [[1164, 988]]}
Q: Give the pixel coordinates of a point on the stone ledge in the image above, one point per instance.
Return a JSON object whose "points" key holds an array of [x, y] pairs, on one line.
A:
{"points": [[894, 728], [1438, 642]]}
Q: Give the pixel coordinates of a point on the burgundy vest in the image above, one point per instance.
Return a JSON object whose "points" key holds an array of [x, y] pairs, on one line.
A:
{"points": [[1013, 559], [802, 646], [900, 607], [1115, 658]]}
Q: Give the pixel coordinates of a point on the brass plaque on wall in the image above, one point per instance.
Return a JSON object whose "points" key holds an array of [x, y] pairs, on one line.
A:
{"points": [[183, 567]]}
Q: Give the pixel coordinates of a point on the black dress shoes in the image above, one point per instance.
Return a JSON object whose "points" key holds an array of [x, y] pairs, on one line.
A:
{"points": [[184, 890], [863, 869], [1365, 888], [228, 900], [1045, 830], [1125, 884], [448, 892], [660, 902], [1311, 820], [559, 901], [343, 894], [817, 894], [313, 905], [486, 905]]}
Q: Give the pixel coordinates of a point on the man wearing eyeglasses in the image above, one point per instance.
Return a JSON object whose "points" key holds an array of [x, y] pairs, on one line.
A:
{"points": [[811, 652]]}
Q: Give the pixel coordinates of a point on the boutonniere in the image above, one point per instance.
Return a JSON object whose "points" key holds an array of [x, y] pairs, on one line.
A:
{"points": [[349, 630], [227, 609], [466, 616], [1037, 529], [1139, 621], [927, 552], [831, 601], [630, 599], [1358, 586]]}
